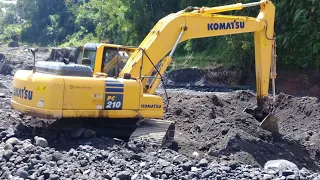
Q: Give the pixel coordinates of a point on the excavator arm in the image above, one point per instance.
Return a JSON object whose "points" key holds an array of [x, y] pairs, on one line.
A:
{"points": [[203, 22]]}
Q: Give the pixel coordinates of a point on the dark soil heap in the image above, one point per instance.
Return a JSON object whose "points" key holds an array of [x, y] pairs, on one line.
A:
{"points": [[214, 125]]}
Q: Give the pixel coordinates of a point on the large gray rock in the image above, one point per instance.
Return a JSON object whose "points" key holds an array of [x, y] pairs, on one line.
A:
{"points": [[88, 133], [13, 141], [39, 141], [281, 165], [76, 133], [2, 56], [5, 68], [70, 53], [124, 175], [13, 44]]}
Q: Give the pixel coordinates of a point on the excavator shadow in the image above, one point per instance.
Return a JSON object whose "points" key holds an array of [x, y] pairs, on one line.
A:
{"points": [[263, 151], [64, 134], [71, 133]]}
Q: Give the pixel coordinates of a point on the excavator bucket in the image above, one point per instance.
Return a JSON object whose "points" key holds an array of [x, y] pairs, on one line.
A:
{"points": [[270, 123]]}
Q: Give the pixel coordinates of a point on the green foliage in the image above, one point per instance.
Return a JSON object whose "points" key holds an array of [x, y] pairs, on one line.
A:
{"points": [[9, 29], [231, 50], [75, 22], [46, 22], [105, 19], [10, 32], [144, 14], [298, 33]]}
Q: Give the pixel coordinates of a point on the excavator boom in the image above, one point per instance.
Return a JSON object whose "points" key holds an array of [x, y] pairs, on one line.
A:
{"points": [[164, 35]]}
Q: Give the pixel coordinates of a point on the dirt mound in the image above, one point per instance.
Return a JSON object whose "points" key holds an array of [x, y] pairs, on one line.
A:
{"points": [[209, 76], [72, 54], [19, 58], [214, 126], [12, 59], [294, 82]]}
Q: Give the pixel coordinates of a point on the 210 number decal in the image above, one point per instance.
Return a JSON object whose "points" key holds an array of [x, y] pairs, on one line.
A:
{"points": [[113, 101], [113, 105]]}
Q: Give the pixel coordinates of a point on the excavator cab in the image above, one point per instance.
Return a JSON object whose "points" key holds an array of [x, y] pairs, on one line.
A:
{"points": [[106, 58], [113, 61]]}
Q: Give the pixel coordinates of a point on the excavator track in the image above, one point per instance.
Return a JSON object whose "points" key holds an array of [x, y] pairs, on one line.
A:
{"points": [[151, 131], [154, 131]]}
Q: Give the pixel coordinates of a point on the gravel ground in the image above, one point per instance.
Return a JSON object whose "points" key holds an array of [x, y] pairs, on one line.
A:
{"points": [[105, 158]]}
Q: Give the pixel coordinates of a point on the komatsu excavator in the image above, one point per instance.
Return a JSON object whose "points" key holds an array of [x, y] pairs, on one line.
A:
{"points": [[57, 90]]}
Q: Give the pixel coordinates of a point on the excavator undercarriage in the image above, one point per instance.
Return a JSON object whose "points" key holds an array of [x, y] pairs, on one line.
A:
{"points": [[155, 132]]}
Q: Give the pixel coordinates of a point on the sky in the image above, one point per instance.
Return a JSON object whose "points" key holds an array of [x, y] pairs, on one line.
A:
{"points": [[8, 1]]}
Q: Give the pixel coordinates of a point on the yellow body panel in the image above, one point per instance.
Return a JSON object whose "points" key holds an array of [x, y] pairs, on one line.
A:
{"points": [[53, 96], [37, 90], [98, 60]]}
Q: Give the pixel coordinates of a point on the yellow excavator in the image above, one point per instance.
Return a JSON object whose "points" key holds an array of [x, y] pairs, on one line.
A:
{"points": [[60, 90]]}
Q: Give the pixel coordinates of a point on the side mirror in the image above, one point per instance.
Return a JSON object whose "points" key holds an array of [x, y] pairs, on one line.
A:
{"points": [[34, 50], [86, 61]]}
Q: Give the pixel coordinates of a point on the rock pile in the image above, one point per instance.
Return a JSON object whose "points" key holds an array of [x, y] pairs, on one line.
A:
{"points": [[105, 158]]}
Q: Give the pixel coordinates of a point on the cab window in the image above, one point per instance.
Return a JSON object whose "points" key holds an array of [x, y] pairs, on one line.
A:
{"points": [[113, 61], [91, 55]]}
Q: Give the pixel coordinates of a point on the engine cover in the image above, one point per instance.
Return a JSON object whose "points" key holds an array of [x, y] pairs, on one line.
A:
{"points": [[62, 69]]}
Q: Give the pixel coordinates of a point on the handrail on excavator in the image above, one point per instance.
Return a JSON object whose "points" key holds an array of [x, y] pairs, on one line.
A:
{"points": [[225, 8]]}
